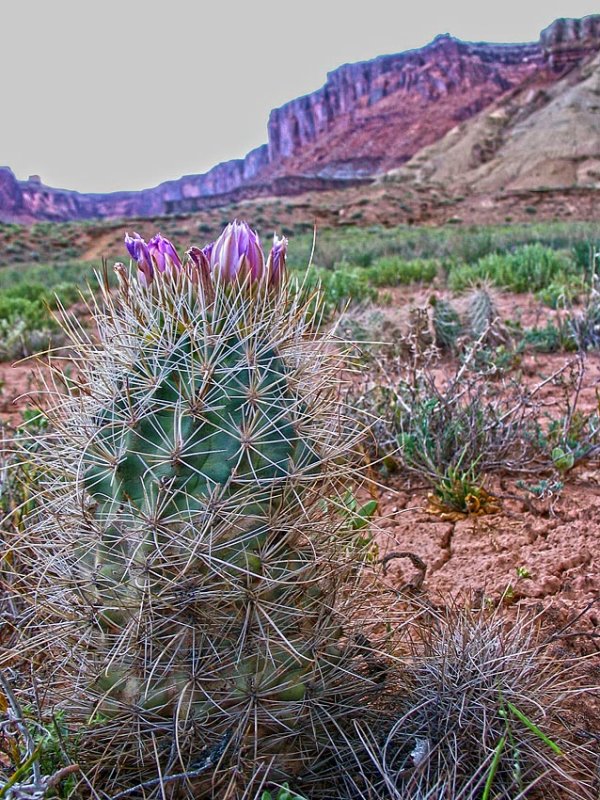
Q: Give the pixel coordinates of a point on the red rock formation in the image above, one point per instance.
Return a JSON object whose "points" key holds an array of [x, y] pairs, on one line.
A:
{"points": [[11, 198], [373, 116], [443, 67], [566, 41], [368, 118]]}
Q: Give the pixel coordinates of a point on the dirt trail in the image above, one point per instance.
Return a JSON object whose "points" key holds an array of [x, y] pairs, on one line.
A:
{"points": [[101, 246]]}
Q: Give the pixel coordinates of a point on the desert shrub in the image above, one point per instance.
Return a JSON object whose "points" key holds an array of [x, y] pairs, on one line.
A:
{"points": [[394, 271], [497, 360], [549, 339], [461, 423], [363, 246], [529, 268], [27, 290], [27, 325], [64, 293], [572, 435], [339, 287], [563, 292], [585, 255], [18, 340], [33, 313], [50, 275]]}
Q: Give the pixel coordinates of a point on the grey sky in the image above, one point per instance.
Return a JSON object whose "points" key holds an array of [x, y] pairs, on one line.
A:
{"points": [[122, 94]]}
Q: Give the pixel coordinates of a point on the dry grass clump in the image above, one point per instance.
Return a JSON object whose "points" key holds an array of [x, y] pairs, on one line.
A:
{"points": [[481, 715]]}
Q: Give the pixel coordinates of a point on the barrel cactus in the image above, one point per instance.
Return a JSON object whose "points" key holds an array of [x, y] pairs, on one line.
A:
{"points": [[192, 555]]}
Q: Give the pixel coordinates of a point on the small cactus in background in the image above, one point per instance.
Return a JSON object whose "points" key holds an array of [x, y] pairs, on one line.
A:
{"points": [[446, 323], [583, 327], [193, 550], [481, 311], [484, 319]]}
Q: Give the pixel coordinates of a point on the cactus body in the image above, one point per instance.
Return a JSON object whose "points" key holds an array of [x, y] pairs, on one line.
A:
{"points": [[484, 319], [482, 312], [446, 324], [198, 417], [192, 553]]}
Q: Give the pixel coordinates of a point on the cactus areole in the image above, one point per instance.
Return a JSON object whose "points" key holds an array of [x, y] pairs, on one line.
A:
{"points": [[193, 553]]}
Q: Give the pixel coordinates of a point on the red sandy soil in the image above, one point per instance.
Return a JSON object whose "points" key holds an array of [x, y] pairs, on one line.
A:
{"points": [[557, 541], [17, 381]]}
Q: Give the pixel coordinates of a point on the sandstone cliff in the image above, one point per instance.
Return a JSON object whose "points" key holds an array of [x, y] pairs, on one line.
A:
{"points": [[367, 119], [540, 137]]}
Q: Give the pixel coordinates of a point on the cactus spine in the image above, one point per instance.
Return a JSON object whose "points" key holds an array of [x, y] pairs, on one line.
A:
{"points": [[190, 560]]}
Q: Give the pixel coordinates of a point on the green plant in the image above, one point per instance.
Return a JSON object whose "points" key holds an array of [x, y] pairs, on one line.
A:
{"points": [[26, 322], [562, 293], [459, 490], [549, 339], [527, 269], [459, 494], [432, 427], [284, 793], [496, 361], [34, 759], [543, 489], [562, 460], [190, 568], [574, 436], [394, 271], [336, 288], [509, 740]]}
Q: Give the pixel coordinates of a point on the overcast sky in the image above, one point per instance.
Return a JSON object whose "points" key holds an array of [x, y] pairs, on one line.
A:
{"points": [[123, 94]]}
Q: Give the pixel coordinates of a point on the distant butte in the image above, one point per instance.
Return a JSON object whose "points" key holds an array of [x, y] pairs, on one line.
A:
{"points": [[368, 119]]}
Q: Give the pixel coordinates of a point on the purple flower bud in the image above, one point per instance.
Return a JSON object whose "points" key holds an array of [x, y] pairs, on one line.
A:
{"points": [[207, 250], [276, 261], [199, 264], [164, 256], [236, 254], [138, 250]]}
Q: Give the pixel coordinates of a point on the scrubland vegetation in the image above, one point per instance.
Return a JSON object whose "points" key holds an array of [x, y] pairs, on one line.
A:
{"points": [[376, 689]]}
